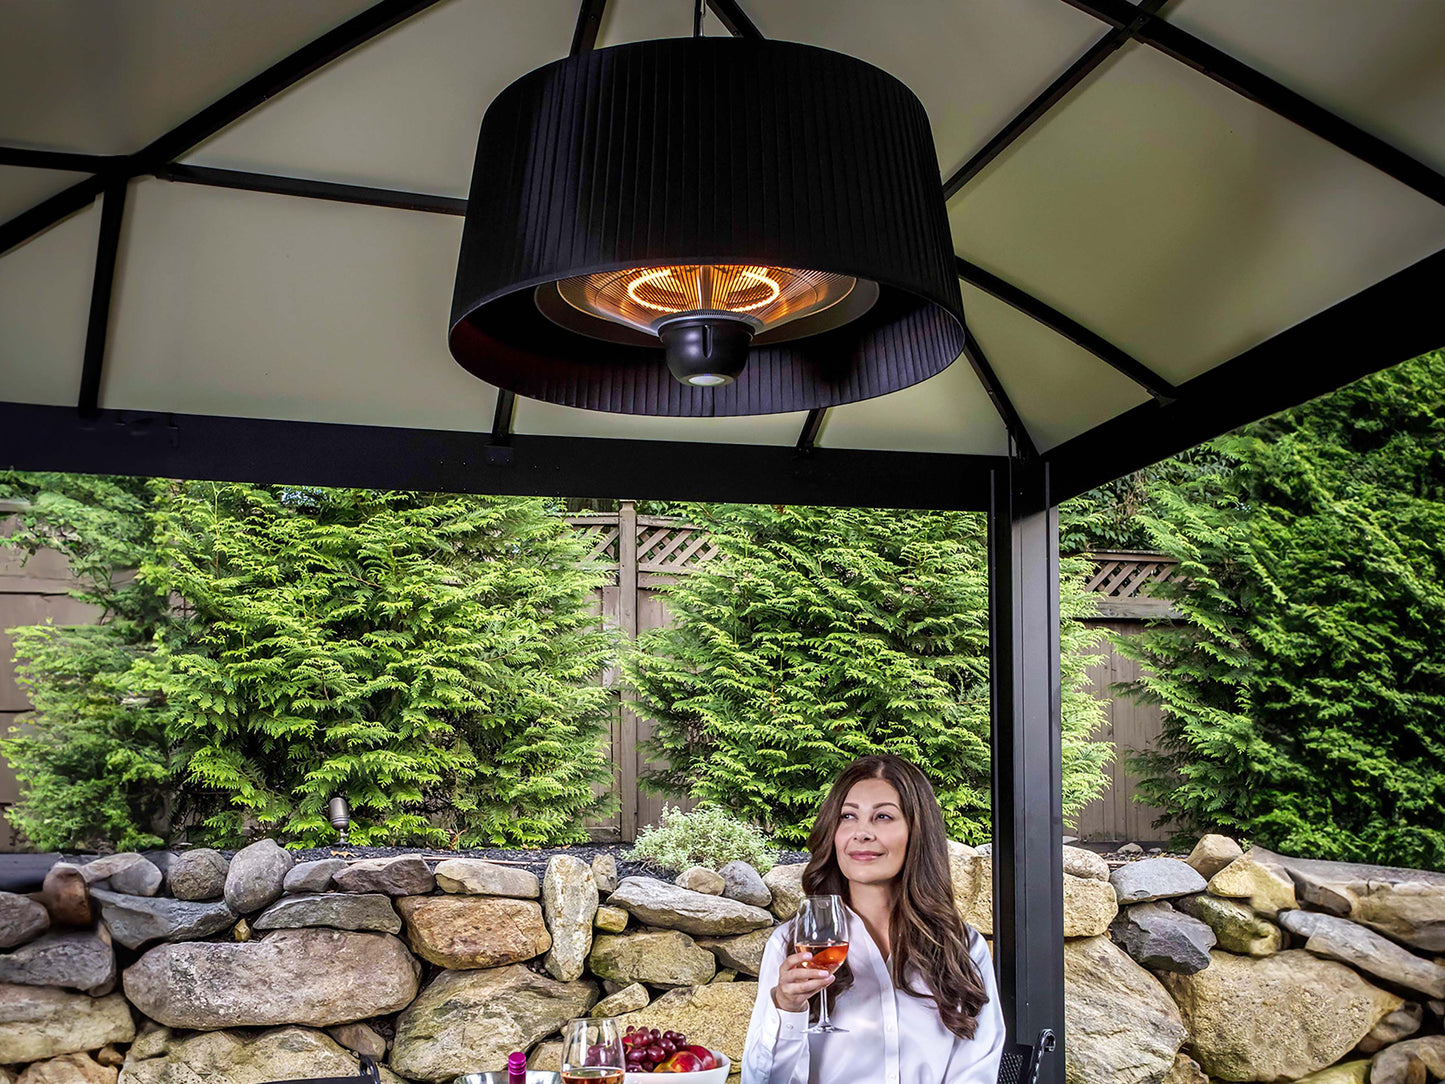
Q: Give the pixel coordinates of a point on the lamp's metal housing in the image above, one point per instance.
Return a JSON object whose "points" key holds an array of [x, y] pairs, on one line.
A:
{"points": [[706, 151]]}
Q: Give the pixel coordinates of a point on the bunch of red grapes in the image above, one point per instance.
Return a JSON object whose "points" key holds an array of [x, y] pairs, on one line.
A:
{"points": [[648, 1048]]}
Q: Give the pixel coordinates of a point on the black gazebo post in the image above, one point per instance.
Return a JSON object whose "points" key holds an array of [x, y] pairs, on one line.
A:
{"points": [[1027, 758]]}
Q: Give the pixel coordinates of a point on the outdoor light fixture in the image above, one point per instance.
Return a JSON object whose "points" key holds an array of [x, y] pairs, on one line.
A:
{"points": [[705, 227], [340, 817]]}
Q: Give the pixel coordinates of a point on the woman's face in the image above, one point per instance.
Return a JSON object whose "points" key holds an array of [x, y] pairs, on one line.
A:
{"points": [[872, 836]]}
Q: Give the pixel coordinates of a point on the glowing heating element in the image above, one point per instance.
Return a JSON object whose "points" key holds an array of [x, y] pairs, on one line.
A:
{"points": [[647, 297]]}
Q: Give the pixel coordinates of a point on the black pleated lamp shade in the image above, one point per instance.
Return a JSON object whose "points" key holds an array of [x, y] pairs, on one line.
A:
{"points": [[792, 191]]}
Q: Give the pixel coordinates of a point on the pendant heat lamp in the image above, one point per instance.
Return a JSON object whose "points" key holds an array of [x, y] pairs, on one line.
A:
{"points": [[705, 227]]}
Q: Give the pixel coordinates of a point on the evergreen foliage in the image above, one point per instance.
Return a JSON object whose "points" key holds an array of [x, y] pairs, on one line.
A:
{"points": [[819, 635], [434, 659], [93, 761], [1304, 699]]}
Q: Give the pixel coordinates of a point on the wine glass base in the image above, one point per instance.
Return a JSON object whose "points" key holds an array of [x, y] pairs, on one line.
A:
{"points": [[824, 1029]]}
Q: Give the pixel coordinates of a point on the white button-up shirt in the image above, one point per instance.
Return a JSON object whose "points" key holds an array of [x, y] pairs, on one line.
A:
{"points": [[892, 1037]]}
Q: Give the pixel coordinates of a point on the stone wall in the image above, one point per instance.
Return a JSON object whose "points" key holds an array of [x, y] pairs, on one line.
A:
{"points": [[164, 969]]}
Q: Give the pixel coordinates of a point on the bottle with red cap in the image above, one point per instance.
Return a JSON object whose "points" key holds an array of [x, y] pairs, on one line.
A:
{"points": [[517, 1068]]}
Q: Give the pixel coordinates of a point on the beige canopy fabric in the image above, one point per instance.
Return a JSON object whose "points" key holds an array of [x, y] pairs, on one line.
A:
{"points": [[1168, 244]]}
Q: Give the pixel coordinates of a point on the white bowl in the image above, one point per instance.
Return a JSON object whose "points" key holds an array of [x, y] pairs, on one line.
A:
{"points": [[707, 1076]]}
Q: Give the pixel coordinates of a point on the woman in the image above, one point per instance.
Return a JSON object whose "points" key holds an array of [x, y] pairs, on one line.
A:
{"points": [[917, 993]]}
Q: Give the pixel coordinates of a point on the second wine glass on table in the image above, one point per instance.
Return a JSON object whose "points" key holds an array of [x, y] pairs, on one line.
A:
{"points": [[821, 928], [592, 1052]]}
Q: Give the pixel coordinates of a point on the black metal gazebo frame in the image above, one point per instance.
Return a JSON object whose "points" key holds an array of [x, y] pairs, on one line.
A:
{"points": [[1395, 319]]}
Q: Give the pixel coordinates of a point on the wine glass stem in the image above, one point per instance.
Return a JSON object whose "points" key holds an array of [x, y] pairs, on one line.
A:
{"points": [[823, 1008]]}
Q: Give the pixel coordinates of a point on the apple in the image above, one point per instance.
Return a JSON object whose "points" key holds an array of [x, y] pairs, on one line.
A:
{"points": [[704, 1054], [684, 1061]]}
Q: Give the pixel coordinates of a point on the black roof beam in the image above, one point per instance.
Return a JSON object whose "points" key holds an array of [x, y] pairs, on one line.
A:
{"points": [[1056, 92], [230, 107], [97, 328], [973, 351], [61, 160], [589, 24], [732, 16], [1156, 32], [313, 189], [217, 448], [812, 429], [1068, 327]]}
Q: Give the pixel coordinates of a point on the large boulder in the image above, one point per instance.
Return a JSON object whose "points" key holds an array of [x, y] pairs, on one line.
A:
{"points": [[610, 919], [76, 960], [715, 1016], [658, 958], [68, 1069], [1212, 853], [21, 919], [701, 879], [1155, 879], [1162, 939], [1409, 1062], [305, 878], [237, 1057], [1337, 887], [340, 910], [1090, 904], [657, 903], [317, 977], [1267, 888], [65, 895], [1081, 862], [469, 1021], [604, 872], [743, 953], [465, 932], [1346, 941], [569, 902], [138, 920], [257, 876], [41, 1021], [128, 872], [1236, 928], [406, 875], [628, 999], [743, 883], [1121, 1025], [477, 877], [1278, 1017], [785, 885], [198, 875]]}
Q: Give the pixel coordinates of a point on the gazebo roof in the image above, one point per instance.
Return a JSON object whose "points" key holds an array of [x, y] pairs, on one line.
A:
{"points": [[1167, 224]]}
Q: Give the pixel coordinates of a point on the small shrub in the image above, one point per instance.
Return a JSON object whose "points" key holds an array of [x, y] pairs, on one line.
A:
{"points": [[707, 836]]}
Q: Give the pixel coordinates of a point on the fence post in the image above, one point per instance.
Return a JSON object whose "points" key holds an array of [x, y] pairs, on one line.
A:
{"points": [[627, 622]]}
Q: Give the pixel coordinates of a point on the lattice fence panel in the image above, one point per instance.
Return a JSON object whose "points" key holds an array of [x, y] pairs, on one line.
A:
{"points": [[672, 548], [600, 534], [1129, 575]]}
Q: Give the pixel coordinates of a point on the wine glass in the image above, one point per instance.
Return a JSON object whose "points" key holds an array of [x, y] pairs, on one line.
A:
{"points": [[592, 1052], [822, 929]]}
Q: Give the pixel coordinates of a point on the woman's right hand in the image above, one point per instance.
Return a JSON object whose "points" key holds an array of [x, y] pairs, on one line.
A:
{"points": [[797, 982]]}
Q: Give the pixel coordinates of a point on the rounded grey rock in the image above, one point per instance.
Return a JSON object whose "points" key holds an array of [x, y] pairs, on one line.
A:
{"points": [[198, 875], [257, 876], [743, 883]]}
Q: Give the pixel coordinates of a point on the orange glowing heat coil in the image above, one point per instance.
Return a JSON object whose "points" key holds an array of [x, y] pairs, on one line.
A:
{"points": [[766, 297]]}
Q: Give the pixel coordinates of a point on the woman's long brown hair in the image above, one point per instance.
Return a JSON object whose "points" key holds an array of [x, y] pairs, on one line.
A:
{"points": [[925, 933]]}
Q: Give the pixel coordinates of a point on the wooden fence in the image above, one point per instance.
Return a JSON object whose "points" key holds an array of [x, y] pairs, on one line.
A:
{"points": [[641, 554]]}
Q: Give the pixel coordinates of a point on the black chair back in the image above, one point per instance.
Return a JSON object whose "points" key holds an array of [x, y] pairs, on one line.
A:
{"points": [[1020, 1062]]}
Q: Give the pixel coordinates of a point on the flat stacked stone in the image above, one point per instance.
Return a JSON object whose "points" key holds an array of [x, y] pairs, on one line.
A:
{"points": [[467, 932], [339, 910], [406, 875], [477, 877], [657, 903]]}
